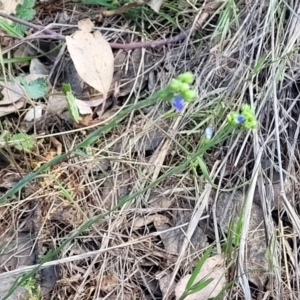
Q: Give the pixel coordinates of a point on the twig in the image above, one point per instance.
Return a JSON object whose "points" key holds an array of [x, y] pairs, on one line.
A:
{"points": [[177, 38]]}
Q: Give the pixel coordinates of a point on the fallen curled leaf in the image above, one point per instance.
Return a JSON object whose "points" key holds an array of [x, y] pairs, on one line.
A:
{"points": [[12, 92], [15, 93], [213, 267], [8, 109], [92, 56]]}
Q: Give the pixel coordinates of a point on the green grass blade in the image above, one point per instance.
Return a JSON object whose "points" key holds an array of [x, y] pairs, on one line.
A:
{"points": [[198, 267]]}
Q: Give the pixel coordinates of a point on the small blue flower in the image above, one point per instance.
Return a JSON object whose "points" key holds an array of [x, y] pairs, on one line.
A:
{"points": [[240, 119], [209, 132], [178, 103]]}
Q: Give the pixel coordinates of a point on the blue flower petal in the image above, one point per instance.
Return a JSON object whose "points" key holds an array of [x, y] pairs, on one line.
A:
{"points": [[209, 132], [178, 103], [240, 119]]}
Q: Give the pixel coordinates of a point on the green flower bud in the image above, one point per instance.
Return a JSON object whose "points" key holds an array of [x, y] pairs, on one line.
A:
{"points": [[184, 87], [250, 125], [249, 117], [231, 118], [186, 77], [175, 85], [246, 108], [189, 95]]}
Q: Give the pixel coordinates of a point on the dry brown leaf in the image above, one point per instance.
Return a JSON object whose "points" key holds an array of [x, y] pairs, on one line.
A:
{"points": [[9, 179], [155, 4], [12, 92], [213, 267], [8, 109], [57, 104], [92, 56], [140, 222], [108, 283], [164, 281]]}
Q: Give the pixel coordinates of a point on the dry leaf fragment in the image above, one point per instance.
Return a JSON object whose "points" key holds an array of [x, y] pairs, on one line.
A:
{"points": [[92, 56], [57, 104], [140, 222], [9, 7], [213, 267], [155, 4], [84, 107], [109, 282], [37, 67], [34, 113]]}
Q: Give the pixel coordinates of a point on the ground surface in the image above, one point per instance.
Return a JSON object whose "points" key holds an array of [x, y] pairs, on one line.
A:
{"points": [[131, 212]]}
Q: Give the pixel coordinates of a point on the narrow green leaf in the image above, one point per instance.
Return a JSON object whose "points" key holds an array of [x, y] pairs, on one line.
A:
{"points": [[9, 28], [198, 267], [71, 99], [200, 285], [204, 170], [66, 87]]}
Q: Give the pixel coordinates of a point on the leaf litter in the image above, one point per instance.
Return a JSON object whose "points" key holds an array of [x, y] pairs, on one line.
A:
{"points": [[144, 239], [95, 67]]}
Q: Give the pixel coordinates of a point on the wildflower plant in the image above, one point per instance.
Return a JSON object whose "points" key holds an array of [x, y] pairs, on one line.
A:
{"points": [[235, 123], [246, 117], [179, 91]]}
